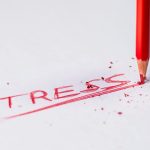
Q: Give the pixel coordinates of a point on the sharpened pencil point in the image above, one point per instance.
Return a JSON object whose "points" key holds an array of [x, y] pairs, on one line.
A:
{"points": [[142, 79]]}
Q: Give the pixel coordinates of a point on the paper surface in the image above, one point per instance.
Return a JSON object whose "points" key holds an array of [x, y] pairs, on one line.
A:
{"points": [[49, 51]]}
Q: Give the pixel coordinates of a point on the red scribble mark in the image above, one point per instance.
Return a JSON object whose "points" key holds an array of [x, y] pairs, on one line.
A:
{"points": [[99, 93], [57, 92], [60, 93], [33, 96], [93, 87], [9, 98], [110, 80]]}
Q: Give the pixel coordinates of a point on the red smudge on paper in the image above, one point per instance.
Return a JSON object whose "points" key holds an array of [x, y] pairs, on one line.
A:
{"points": [[58, 93]]}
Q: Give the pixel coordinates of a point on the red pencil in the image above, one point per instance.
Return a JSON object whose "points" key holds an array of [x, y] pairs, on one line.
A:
{"points": [[142, 37]]}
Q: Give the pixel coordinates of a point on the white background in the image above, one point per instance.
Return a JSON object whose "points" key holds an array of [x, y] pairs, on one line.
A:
{"points": [[46, 44]]}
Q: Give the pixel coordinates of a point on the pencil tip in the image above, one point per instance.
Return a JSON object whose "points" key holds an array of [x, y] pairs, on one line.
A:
{"points": [[142, 79]]}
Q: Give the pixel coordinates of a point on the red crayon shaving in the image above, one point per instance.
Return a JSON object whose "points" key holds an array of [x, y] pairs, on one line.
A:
{"points": [[120, 113], [126, 95], [102, 108]]}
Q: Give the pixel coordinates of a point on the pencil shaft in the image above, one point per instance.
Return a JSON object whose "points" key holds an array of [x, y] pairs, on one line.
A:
{"points": [[142, 30]]}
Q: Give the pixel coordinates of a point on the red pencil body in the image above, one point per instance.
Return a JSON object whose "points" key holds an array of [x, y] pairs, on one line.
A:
{"points": [[142, 30]]}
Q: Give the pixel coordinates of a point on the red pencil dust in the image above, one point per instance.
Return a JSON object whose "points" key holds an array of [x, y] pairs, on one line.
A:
{"points": [[142, 37]]}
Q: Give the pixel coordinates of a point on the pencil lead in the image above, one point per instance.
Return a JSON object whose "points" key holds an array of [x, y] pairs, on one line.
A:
{"points": [[142, 79]]}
